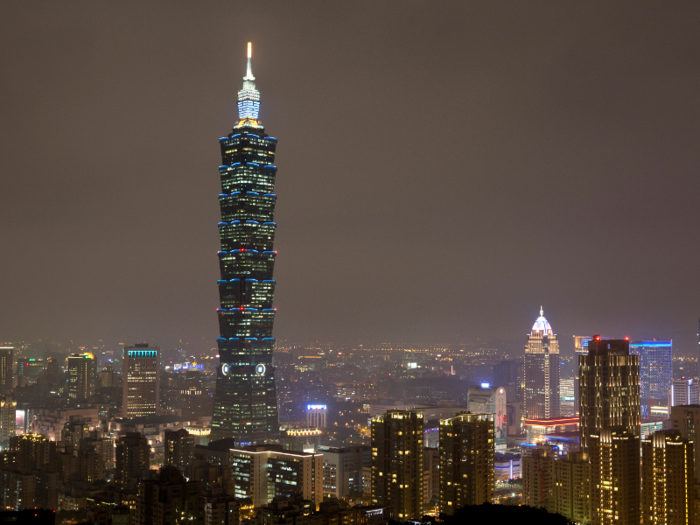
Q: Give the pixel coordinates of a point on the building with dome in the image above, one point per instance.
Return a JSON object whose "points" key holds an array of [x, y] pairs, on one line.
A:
{"points": [[541, 371]]}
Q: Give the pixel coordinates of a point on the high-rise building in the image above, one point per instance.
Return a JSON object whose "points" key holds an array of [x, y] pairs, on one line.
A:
{"points": [[487, 400], [141, 381], [6, 365], [81, 376], [615, 485], [133, 458], [342, 470], [684, 392], [571, 487], [397, 463], [467, 461], [263, 472], [581, 348], [541, 371], [655, 372], [609, 388], [508, 373], [668, 486], [245, 405], [179, 448], [536, 468], [686, 420], [8, 409], [316, 416]]}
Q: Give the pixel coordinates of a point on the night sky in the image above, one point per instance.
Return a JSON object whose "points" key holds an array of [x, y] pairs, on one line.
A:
{"points": [[444, 167]]}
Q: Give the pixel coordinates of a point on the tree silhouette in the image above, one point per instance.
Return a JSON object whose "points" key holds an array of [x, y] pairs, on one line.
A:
{"points": [[503, 514]]}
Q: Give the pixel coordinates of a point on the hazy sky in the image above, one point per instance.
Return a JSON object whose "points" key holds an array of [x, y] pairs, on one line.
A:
{"points": [[444, 167]]}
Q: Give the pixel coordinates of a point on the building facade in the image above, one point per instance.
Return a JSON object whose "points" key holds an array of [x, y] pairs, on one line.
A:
{"points": [[487, 400], [8, 409], [655, 372], [609, 388], [133, 459], [140, 381], [571, 487], [686, 420], [467, 461], [615, 483], [397, 463], [262, 473], [245, 405], [342, 470], [668, 485], [316, 416], [541, 371], [6, 366], [81, 377], [536, 468], [684, 392]]}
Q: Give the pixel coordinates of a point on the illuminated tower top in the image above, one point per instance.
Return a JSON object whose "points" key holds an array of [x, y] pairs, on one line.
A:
{"points": [[248, 98], [542, 325]]}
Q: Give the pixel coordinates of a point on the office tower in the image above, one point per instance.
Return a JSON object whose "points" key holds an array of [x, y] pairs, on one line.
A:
{"points": [[541, 371], [133, 459], [536, 471], [140, 381], [609, 388], [245, 406], [8, 409], [342, 470], [487, 400], [264, 471], [668, 490], [655, 372], [397, 463], [316, 416], [169, 499], [179, 448], [81, 376], [686, 420], [508, 373], [6, 365], [581, 348], [467, 461], [567, 397], [571, 487], [684, 392]]}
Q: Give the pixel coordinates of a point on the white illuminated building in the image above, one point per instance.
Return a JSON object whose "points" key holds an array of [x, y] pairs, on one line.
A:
{"points": [[684, 392], [316, 416], [541, 371], [486, 400]]}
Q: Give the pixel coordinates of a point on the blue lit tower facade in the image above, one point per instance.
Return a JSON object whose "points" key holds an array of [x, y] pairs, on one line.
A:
{"points": [[245, 407], [655, 371]]}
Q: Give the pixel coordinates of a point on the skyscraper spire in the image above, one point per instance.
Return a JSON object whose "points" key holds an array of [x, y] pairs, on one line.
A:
{"points": [[541, 311], [248, 98], [249, 73]]}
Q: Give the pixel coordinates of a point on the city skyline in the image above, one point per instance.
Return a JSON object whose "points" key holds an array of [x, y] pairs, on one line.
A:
{"points": [[541, 148]]}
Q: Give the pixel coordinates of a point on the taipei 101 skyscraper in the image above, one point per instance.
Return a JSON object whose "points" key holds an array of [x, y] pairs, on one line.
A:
{"points": [[245, 407]]}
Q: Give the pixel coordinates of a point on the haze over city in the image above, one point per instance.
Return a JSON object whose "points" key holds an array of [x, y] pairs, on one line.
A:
{"points": [[445, 170]]}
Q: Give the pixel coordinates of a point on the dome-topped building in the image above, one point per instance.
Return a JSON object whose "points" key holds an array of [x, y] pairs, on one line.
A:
{"points": [[541, 371], [542, 325]]}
